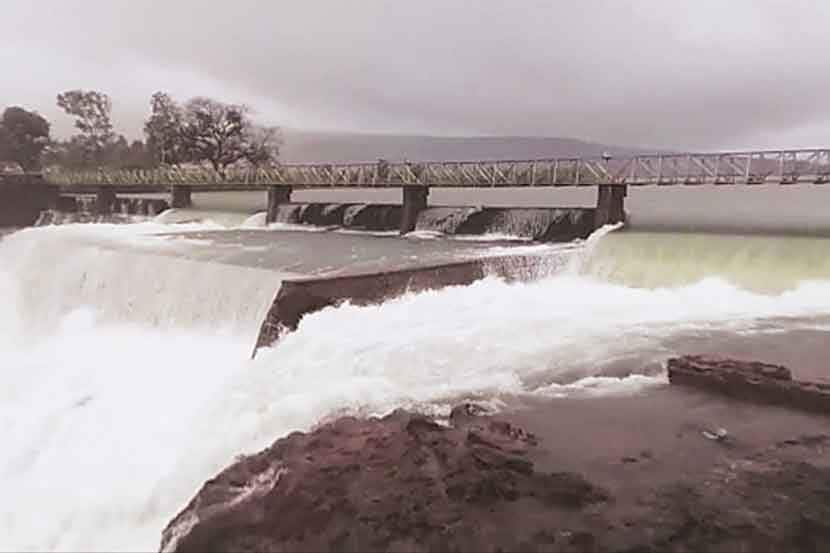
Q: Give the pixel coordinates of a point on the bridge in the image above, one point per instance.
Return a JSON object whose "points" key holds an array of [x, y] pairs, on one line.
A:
{"points": [[612, 176], [752, 167]]}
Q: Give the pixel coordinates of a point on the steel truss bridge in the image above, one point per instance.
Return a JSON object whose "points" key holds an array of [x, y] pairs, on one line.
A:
{"points": [[723, 168]]}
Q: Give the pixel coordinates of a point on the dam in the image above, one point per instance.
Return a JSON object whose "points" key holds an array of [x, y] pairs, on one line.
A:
{"points": [[128, 336], [437, 198]]}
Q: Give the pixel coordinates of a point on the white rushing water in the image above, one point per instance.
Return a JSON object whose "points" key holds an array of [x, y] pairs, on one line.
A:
{"points": [[125, 379]]}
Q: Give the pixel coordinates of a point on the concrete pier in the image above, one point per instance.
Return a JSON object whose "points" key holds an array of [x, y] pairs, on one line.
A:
{"points": [[277, 195], [105, 200], [180, 196], [414, 202], [610, 204], [66, 204]]}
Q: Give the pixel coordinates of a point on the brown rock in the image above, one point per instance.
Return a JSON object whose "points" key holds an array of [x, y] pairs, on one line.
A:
{"points": [[749, 380], [400, 483]]}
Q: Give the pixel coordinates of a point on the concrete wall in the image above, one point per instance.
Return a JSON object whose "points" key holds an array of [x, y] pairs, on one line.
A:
{"points": [[23, 197], [298, 297]]}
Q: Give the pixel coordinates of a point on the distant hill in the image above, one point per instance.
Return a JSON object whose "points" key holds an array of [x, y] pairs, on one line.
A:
{"points": [[310, 147]]}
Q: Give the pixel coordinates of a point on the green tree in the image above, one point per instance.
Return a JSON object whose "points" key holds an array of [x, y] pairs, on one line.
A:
{"points": [[212, 132], [139, 156], [116, 152], [223, 135], [92, 111], [163, 129], [24, 135]]}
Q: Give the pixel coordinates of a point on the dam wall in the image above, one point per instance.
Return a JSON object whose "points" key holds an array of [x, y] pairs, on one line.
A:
{"points": [[542, 224], [108, 205], [415, 212], [23, 198], [299, 297], [538, 224]]}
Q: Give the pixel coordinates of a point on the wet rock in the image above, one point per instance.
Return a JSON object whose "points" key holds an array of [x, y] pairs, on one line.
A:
{"points": [[756, 504], [749, 380], [400, 483]]}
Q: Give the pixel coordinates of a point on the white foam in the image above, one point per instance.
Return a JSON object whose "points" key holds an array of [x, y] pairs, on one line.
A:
{"points": [[601, 386], [256, 221], [218, 220], [528, 249], [92, 421], [293, 227], [381, 233], [491, 237], [424, 235]]}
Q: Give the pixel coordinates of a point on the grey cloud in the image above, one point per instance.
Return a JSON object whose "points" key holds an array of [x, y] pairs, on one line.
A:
{"points": [[657, 73]]}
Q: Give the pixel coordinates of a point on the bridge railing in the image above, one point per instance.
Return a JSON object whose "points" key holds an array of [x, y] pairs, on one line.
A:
{"points": [[750, 167], [758, 167]]}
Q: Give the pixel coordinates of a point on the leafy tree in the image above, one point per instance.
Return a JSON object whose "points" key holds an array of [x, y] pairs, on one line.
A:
{"points": [[139, 156], [163, 130], [213, 132], [24, 135], [115, 152], [223, 135], [91, 110], [118, 154], [67, 154]]}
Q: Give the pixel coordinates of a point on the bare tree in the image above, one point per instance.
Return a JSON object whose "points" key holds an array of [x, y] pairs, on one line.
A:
{"points": [[263, 145]]}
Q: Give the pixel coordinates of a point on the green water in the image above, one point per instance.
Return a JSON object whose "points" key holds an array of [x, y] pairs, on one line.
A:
{"points": [[765, 264]]}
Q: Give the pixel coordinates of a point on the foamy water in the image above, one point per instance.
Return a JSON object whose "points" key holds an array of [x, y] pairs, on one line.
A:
{"points": [[115, 411]]}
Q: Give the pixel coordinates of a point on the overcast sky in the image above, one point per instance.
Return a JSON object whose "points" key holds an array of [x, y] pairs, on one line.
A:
{"points": [[682, 74]]}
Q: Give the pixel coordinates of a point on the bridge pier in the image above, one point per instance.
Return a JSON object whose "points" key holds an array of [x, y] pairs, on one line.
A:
{"points": [[610, 204], [414, 201], [277, 195], [66, 204], [180, 196], [105, 199]]}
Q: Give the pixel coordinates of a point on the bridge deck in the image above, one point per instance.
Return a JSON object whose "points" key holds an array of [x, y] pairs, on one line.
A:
{"points": [[749, 168]]}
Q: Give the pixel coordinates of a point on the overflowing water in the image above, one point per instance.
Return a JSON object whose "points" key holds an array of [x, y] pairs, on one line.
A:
{"points": [[125, 379], [544, 224]]}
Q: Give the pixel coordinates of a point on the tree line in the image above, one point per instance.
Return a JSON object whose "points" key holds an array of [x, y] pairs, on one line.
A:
{"points": [[201, 131]]}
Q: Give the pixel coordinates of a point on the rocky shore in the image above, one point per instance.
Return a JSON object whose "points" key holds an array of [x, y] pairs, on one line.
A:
{"points": [[654, 472]]}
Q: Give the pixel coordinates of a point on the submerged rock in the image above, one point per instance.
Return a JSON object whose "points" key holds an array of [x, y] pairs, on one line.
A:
{"points": [[400, 483], [749, 380]]}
